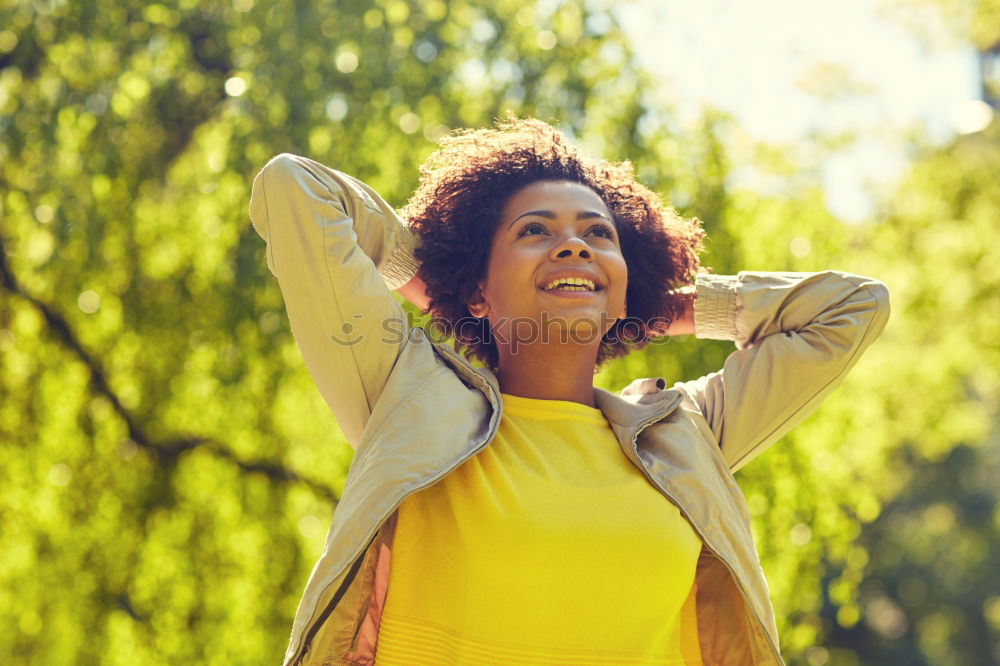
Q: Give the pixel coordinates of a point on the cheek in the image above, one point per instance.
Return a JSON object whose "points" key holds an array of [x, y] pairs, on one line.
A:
{"points": [[511, 266], [621, 272], [500, 281], [621, 279]]}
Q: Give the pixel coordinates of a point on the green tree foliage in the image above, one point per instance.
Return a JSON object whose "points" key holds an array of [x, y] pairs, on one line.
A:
{"points": [[966, 21], [931, 594], [168, 467]]}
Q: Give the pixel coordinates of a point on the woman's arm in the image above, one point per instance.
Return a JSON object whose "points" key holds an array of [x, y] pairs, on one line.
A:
{"points": [[797, 335], [415, 291], [685, 324], [337, 249]]}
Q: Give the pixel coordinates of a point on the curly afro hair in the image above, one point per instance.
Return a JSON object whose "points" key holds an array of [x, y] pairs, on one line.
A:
{"points": [[463, 188]]}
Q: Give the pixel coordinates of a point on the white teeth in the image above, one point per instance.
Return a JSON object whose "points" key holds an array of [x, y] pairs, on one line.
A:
{"points": [[575, 284]]}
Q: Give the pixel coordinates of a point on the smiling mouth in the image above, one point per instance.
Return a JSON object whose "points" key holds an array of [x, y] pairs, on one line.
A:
{"points": [[572, 285]]}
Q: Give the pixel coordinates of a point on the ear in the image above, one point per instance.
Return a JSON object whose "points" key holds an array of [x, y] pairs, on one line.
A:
{"points": [[478, 307]]}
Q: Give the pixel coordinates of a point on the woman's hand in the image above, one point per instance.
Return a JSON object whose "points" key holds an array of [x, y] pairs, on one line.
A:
{"points": [[415, 291]]}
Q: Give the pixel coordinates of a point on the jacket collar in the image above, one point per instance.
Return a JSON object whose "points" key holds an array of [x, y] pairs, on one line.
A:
{"points": [[641, 403]]}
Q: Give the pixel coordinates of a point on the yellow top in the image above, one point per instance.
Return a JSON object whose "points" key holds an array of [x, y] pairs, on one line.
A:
{"points": [[547, 547]]}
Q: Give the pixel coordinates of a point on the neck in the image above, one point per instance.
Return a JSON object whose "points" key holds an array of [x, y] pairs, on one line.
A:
{"points": [[549, 372]]}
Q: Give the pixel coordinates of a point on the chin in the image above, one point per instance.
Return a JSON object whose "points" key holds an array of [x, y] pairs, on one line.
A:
{"points": [[583, 330]]}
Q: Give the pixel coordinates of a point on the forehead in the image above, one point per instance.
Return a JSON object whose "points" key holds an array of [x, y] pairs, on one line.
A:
{"points": [[552, 194]]}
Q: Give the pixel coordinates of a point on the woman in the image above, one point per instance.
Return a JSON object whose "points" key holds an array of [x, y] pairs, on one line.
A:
{"points": [[500, 509]]}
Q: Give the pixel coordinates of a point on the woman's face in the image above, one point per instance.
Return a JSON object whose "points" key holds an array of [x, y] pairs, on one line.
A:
{"points": [[553, 234]]}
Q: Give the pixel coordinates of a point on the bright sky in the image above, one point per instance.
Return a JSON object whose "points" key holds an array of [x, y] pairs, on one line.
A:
{"points": [[747, 57]]}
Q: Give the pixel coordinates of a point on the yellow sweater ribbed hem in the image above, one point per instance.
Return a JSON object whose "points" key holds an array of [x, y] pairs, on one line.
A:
{"points": [[420, 643]]}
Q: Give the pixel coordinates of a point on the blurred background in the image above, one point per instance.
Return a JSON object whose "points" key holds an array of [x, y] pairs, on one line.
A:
{"points": [[167, 468]]}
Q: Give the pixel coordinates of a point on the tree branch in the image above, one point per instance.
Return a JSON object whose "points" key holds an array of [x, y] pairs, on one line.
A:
{"points": [[164, 451]]}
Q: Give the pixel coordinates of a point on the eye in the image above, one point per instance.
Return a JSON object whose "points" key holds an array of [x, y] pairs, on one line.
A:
{"points": [[530, 227], [603, 230]]}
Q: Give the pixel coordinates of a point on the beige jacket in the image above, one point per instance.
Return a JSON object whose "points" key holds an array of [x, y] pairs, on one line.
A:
{"points": [[414, 409]]}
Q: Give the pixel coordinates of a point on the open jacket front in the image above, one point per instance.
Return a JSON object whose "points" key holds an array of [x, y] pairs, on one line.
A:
{"points": [[414, 409]]}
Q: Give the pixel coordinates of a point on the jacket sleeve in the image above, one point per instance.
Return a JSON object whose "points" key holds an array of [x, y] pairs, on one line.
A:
{"points": [[337, 249], [797, 335]]}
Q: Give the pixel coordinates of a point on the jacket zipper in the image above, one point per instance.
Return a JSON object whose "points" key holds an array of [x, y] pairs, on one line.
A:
{"points": [[307, 641], [732, 574], [338, 595]]}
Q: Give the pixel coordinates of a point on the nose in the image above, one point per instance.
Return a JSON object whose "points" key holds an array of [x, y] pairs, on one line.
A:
{"points": [[569, 247]]}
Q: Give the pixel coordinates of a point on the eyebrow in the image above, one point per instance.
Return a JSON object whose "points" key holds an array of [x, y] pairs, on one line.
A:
{"points": [[548, 214]]}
